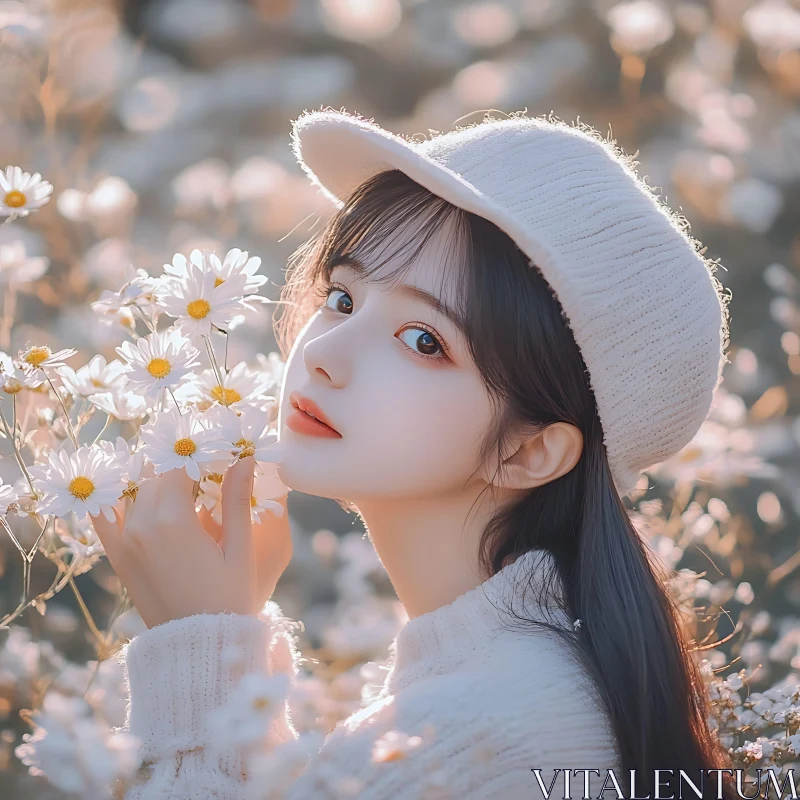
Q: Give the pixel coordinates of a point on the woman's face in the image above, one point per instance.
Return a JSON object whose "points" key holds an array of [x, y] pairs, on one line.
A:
{"points": [[393, 376]]}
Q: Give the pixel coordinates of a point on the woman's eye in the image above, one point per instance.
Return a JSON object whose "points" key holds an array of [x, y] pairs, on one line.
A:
{"points": [[418, 339], [424, 342], [345, 306]]}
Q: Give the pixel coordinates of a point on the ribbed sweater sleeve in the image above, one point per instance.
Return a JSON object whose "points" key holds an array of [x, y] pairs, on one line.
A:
{"points": [[488, 707], [178, 674]]}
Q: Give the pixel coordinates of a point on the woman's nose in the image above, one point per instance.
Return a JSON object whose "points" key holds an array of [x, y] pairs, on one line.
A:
{"points": [[327, 357]]}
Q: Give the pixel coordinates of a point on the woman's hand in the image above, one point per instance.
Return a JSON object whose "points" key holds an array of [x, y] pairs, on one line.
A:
{"points": [[174, 566]]}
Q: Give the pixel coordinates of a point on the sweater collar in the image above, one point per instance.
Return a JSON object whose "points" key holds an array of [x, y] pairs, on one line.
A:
{"points": [[440, 640]]}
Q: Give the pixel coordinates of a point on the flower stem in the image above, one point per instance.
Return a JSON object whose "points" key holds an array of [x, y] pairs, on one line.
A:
{"points": [[32, 551], [26, 564], [146, 321], [177, 404], [70, 429], [13, 538], [17, 453], [87, 614], [102, 430], [213, 359]]}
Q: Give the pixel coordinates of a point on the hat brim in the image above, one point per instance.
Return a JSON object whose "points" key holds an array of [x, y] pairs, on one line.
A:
{"points": [[339, 151]]}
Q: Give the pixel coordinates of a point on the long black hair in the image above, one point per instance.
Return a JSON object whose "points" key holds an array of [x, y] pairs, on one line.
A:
{"points": [[631, 639]]}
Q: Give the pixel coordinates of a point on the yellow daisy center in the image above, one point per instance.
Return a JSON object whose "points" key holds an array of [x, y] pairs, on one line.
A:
{"points": [[690, 454], [198, 309], [159, 368], [247, 448], [218, 281], [36, 355], [81, 487], [99, 384], [260, 703], [215, 477], [185, 447], [12, 386], [15, 199], [131, 490], [253, 502], [225, 396]]}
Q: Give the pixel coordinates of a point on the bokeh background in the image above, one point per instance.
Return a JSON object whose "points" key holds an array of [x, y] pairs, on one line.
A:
{"points": [[164, 126]]}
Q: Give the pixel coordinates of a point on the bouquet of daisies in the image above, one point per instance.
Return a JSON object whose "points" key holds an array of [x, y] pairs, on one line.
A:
{"points": [[169, 401]]}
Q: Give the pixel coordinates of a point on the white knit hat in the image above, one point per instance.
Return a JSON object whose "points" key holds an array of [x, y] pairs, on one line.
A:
{"points": [[643, 304]]}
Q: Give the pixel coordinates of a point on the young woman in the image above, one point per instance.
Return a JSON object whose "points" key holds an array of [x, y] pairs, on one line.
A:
{"points": [[497, 331]]}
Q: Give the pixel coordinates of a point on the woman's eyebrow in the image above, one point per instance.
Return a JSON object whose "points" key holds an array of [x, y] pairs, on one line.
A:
{"points": [[353, 263]]}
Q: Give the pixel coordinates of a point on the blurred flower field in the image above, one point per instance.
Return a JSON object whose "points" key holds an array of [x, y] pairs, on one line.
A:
{"points": [[149, 206]]}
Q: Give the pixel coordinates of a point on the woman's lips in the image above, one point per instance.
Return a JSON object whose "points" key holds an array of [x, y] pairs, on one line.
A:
{"points": [[300, 422], [309, 418]]}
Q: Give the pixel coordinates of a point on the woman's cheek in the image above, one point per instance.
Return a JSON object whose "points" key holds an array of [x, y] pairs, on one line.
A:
{"points": [[424, 448], [408, 433]]}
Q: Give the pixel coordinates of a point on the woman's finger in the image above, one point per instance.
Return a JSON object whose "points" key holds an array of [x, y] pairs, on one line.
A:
{"points": [[107, 532], [273, 532], [141, 514], [177, 489], [237, 529], [272, 548], [212, 527]]}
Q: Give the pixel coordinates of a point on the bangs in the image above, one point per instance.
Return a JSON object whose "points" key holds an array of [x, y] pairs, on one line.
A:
{"points": [[371, 227]]}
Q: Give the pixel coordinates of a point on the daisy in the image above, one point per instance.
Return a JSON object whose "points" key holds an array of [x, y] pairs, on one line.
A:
{"points": [[137, 468], [109, 315], [158, 360], [26, 502], [79, 539], [237, 269], [250, 708], [267, 489], [87, 482], [181, 266], [211, 494], [236, 264], [16, 267], [241, 387], [77, 751], [125, 406], [13, 379], [140, 291], [94, 377], [272, 364], [41, 356], [282, 765], [7, 497], [21, 192], [246, 433], [197, 303], [394, 745], [180, 441]]}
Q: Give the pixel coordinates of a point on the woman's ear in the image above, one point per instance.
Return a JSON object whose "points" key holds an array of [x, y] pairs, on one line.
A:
{"points": [[541, 457]]}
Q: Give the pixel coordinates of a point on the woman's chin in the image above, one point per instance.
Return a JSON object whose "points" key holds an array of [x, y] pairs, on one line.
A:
{"points": [[297, 480]]}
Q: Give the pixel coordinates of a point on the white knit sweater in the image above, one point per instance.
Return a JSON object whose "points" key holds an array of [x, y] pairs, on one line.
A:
{"points": [[491, 705]]}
